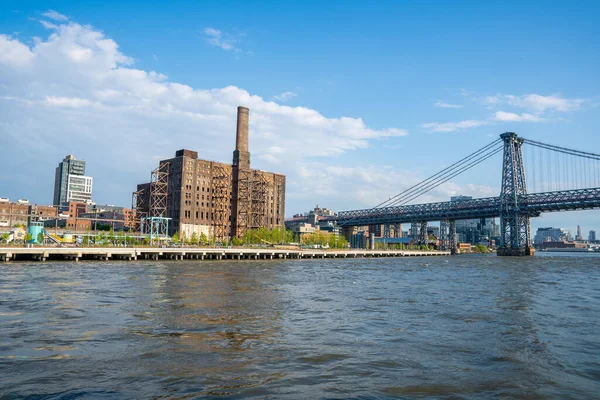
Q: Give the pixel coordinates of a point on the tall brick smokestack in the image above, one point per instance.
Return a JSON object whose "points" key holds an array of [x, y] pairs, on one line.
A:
{"points": [[241, 138], [241, 155]]}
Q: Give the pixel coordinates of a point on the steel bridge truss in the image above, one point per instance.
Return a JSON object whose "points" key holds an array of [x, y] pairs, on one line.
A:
{"points": [[514, 224], [531, 204], [514, 206]]}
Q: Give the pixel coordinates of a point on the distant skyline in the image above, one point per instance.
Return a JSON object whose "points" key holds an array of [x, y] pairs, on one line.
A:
{"points": [[353, 101]]}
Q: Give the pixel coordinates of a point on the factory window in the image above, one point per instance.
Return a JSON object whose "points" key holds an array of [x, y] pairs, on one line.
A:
{"points": [[202, 215], [196, 214]]}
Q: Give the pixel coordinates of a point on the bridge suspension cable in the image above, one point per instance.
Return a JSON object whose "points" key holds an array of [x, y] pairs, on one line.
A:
{"points": [[443, 176], [554, 168], [439, 175], [447, 176]]}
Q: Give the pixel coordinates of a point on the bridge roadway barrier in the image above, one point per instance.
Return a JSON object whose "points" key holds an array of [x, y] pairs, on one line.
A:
{"points": [[142, 253]]}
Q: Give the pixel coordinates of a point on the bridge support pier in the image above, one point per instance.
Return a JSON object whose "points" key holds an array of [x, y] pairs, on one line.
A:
{"points": [[414, 231], [443, 235], [453, 243], [423, 234], [514, 223]]}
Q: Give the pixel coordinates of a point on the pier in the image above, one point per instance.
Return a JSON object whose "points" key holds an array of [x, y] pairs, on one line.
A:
{"points": [[151, 253]]}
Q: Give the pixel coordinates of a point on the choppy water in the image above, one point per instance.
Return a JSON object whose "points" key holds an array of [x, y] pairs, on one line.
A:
{"points": [[456, 327]]}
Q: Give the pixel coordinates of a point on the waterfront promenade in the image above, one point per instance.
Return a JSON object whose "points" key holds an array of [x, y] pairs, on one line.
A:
{"points": [[191, 253]]}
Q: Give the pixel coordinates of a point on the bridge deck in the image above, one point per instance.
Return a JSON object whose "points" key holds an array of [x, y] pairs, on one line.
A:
{"points": [[534, 204]]}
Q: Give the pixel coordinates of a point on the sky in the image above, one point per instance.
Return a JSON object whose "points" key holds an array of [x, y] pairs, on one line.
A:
{"points": [[353, 101]]}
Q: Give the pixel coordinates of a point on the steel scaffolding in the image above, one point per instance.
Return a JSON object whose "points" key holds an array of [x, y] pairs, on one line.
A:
{"points": [[252, 195], [159, 190], [221, 202]]}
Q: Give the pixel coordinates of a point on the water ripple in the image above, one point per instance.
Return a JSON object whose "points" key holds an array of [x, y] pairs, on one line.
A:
{"points": [[457, 327]]}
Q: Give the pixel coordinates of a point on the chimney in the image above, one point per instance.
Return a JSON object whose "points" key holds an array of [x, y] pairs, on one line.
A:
{"points": [[241, 155], [241, 137]]}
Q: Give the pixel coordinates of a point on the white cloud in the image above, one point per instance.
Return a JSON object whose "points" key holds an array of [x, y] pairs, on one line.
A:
{"points": [[441, 104], [73, 102], [536, 103], [285, 96], [55, 15], [48, 25], [76, 93], [371, 185], [220, 39], [540, 106], [154, 57], [453, 126], [14, 53], [512, 117]]}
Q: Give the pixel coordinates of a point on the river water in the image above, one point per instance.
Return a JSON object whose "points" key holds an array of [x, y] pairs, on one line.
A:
{"points": [[443, 327]]}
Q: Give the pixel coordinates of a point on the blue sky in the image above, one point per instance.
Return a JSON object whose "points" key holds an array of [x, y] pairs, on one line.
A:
{"points": [[352, 100]]}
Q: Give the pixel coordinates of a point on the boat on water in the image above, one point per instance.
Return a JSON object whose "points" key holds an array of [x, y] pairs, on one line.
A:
{"points": [[569, 249]]}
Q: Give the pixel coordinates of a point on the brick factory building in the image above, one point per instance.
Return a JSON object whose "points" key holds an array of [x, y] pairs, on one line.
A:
{"points": [[217, 199]]}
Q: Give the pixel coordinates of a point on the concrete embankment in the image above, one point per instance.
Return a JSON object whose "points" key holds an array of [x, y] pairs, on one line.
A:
{"points": [[150, 253]]}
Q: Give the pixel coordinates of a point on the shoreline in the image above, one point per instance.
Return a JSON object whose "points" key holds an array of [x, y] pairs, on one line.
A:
{"points": [[151, 253]]}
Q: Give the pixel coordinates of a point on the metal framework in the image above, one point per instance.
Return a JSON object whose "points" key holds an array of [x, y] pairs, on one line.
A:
{"points": [[397, 230], [159, 190], [156, 228], [444, 244], [514, 206], [489, 207], [386, 231], [452, 239], [414, 231], [514, 224], [252, 195], [221, 201], [423, 233], [259, 195]]}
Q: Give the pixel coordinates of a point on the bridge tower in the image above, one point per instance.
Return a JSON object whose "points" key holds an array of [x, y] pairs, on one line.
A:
{"points": [[514, 224]]}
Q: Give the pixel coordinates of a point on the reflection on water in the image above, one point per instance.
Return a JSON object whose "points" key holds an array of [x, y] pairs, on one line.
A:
{"points": [[458, 327]]}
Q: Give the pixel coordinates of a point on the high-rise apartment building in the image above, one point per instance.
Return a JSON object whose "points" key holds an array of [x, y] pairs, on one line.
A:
{"points": [[579, 237], [550, 234], [212, 198], [592, 236], [475, 231], [70, 182]]}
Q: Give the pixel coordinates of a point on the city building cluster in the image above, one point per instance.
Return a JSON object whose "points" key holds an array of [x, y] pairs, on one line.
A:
{"points": [[559, 238], [186, 195]]}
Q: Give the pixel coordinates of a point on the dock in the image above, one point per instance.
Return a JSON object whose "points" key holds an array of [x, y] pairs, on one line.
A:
{"points": [[193, 253]]}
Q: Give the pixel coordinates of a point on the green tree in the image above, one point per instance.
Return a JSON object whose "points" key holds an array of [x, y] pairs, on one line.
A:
{"points": [[40, 238], [203, 239], [28, 237], [194, 239], [175, 237], [5, 237], [481, 248]]}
